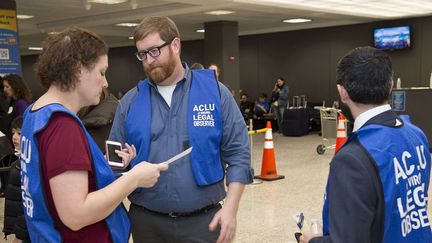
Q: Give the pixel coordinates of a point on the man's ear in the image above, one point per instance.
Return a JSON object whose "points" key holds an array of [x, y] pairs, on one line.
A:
{"points": [[391, 86], [176, 45], [343, 94]]}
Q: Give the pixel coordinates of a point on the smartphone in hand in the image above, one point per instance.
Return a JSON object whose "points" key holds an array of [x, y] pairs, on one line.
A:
{"points": [[112, 157]]}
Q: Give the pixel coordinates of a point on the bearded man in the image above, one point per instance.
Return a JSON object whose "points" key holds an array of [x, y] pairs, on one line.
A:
{"points": [[173, 109]]}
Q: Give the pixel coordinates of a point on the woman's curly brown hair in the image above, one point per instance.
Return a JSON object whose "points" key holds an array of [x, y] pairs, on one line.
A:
{"points": [[19, 87], [65, 53]]}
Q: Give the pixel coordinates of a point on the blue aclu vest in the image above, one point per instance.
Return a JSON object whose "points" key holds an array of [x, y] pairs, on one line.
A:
{"points": [[40, 224], [204, 126], [403, 161]]}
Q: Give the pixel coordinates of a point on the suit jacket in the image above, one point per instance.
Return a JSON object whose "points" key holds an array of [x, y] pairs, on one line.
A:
{"points": [[355, 194]]}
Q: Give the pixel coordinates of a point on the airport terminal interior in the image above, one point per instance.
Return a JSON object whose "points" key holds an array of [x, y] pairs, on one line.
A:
{"points": [[267, 208], [254, 43]]}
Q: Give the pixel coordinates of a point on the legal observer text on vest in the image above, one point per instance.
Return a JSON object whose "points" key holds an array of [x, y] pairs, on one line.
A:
{"points": [[412, 206], [204, 118]]}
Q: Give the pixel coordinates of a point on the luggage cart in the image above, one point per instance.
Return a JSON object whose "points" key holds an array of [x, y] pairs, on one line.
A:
{"points": [[329, 121]]}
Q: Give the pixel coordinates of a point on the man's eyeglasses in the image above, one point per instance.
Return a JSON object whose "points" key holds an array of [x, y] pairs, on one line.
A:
{"points": [[154, 52]]}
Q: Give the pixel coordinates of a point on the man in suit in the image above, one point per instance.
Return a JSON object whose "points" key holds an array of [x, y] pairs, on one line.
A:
{"points": [[378, 183]]}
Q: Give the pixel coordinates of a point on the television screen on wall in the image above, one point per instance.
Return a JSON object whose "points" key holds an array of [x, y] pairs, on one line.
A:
{"points": [[392, 38]]}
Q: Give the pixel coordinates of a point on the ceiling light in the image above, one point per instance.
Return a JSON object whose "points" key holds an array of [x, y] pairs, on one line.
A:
{"points": [[296, 21], [131, 38], [220, 12], [107, 1], [373, 9], [127, 24], [24, 16], [200, 30], [35, 48]]}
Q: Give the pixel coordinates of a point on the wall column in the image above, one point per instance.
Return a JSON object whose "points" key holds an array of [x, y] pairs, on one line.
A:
{"points": [[221, 47]]}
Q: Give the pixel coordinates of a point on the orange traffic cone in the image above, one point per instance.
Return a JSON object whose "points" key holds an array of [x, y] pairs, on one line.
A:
{"points": [[341, 135], [268, 168]]}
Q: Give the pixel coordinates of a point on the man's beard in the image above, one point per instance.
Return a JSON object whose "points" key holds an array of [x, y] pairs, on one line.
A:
{"points": [[160, 72], [346, 112]]}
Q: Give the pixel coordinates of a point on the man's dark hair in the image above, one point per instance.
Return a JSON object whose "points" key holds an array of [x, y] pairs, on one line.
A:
{"points": [[366, 74], [281, 78]]}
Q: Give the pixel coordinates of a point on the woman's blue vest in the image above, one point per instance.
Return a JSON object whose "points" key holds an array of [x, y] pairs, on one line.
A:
{"points": [[40, 224], [403, 161], [204, 126]]}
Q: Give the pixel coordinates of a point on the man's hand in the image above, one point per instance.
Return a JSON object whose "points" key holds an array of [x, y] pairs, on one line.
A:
{"points": [[127, 154], [226, 218], [16, 240], [307, 236]]}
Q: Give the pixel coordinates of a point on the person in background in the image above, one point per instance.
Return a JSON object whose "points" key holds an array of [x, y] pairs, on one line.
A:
{"points": [[19, 96], [217, 72], [5, 131], [165, 115], [6, 150], [280, 99], [197, 66], [18, 92], [216, 69], [246, 107], [120, 94], [14, 220], [4, 104], [98, 118], [240, 93], [69, 191], [377, 189], [262, 106]]}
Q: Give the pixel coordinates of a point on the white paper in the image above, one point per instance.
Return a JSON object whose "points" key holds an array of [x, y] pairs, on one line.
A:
{"points": [[175, 157], [178, 156]]}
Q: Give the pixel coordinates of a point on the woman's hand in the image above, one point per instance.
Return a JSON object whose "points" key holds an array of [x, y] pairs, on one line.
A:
{"points": [[147, 174], [127, 154]]}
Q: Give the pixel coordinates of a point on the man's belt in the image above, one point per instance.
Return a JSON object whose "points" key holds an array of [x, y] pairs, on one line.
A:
{"points": [[184, 214]]}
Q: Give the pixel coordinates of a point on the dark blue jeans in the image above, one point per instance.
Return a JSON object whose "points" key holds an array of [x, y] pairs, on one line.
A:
{"points": [[279, 116]]}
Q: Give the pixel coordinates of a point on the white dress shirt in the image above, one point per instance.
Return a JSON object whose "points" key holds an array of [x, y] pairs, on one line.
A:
{"points": [[367, 115]]}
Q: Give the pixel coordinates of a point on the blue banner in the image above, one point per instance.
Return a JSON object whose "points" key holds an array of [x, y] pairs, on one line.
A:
{"points": [[398, 100], [10, 60]]}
